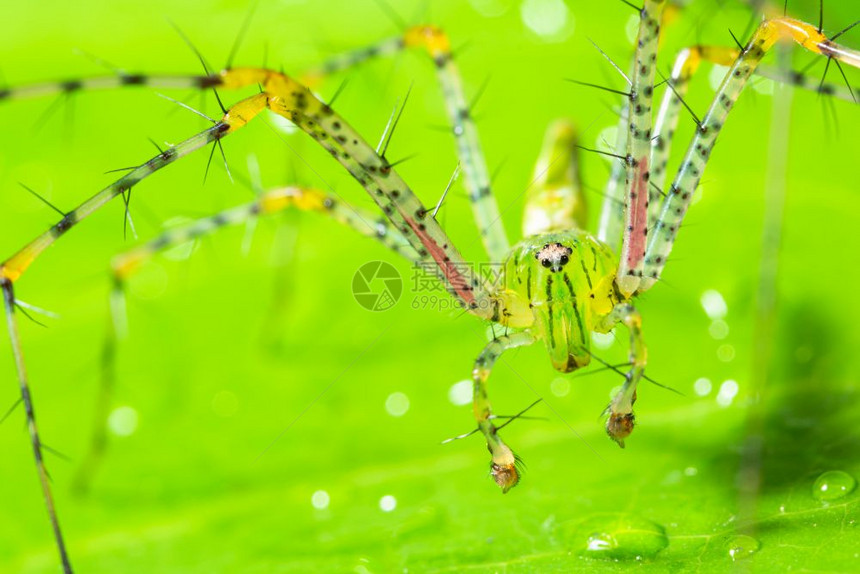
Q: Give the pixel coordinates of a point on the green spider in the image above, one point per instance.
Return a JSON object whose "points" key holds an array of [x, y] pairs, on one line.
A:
{"points": [[558, 285]]}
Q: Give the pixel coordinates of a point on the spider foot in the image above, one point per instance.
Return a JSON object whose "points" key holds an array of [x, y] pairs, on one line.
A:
{"points": [[506, 475], [505, 468], [619, 426]]}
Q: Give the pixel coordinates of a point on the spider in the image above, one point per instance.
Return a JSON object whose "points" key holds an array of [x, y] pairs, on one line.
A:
{"points": [[558, 285]]}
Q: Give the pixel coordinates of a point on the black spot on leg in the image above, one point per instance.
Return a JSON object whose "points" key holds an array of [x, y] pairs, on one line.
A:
{"points": [[64, 224], [204, 82], [132, 80], [441, 60], [71, 86], [220, 130]]}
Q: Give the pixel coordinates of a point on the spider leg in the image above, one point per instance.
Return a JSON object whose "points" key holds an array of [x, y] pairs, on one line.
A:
{"points": [[290, 99], [612, 210], [503, 466], [35, 439], [620, 423], [436, 44], [687, 63], [680, 193], [638, 149]]}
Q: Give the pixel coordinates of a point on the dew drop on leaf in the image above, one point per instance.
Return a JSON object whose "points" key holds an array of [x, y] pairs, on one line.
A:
{"points": [[833, 485], [621, 536], [742, 546]]}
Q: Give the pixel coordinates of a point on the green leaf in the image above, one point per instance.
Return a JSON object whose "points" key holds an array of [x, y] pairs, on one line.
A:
{"points": [[256, 436]]}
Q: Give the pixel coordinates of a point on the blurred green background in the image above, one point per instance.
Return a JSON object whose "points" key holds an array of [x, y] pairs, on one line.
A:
{"points": [[222, 357]]}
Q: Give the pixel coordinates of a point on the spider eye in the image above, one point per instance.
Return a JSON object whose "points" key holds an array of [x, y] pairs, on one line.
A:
{"points": [[564, 259], [545, 262]]}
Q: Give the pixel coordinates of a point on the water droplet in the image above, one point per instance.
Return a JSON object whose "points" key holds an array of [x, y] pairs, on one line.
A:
{"points": [[551, 20], [714, 304], [727, 393], [603, 340], [397, 404], [461, 393], [560, 387], [718, 329], [387, 503], [122, 421], [742, 546], [600, 542], [833, 485], [702, 386], [622, 536], [726, 353], [320, 499]]}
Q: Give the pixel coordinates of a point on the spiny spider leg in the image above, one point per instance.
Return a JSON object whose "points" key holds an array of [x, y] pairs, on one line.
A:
{"points": [[686, 64], [616, 210], [12, 269], [504, 463], [290, 99], [35, 439], [428, 38], [435, 42], [693, 165], [637, 189]]}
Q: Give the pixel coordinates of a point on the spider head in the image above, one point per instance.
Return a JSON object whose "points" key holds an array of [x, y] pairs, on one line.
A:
{"points": [[553, 256]]}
